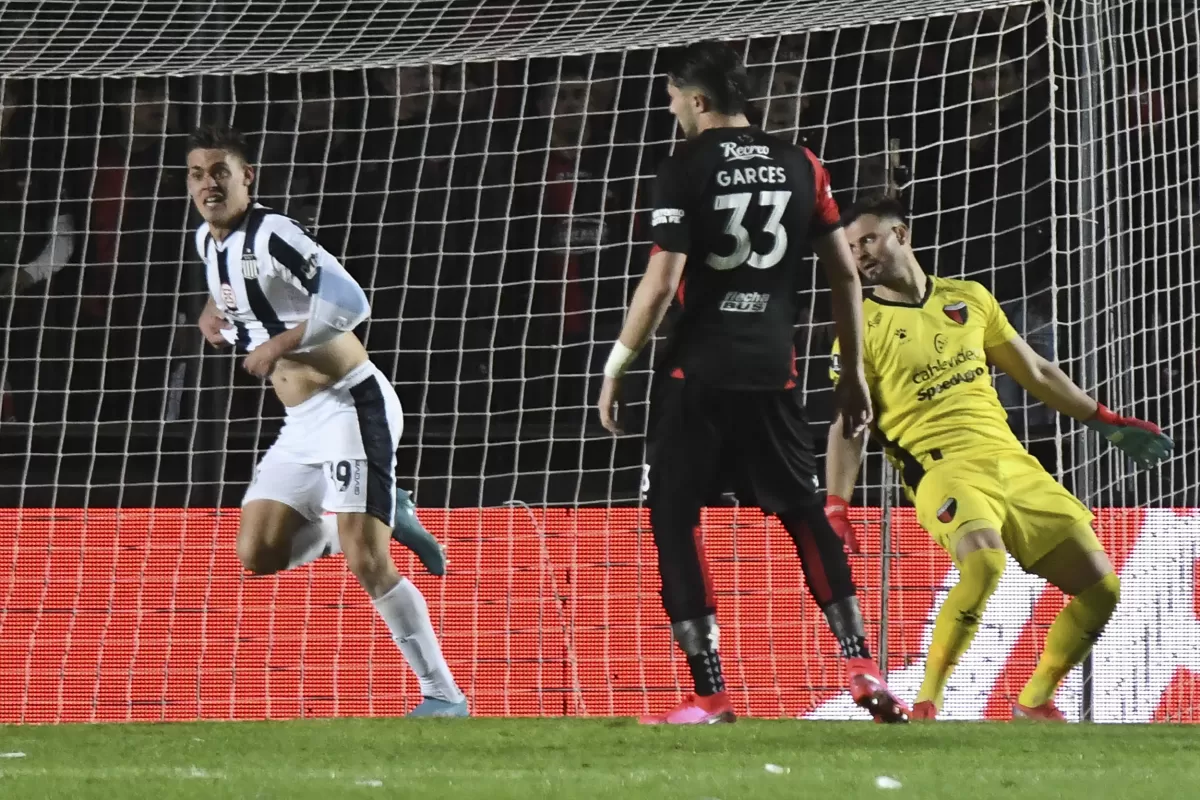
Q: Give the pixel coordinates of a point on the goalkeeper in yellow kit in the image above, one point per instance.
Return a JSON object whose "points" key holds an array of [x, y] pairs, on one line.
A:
{"points": [[929, 344]]}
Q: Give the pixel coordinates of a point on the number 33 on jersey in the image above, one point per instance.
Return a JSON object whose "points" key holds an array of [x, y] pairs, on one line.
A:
{"points": [[743, 206]]}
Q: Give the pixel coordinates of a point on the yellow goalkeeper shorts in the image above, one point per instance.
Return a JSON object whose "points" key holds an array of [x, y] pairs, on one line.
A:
{"points": [[1010, 493]]}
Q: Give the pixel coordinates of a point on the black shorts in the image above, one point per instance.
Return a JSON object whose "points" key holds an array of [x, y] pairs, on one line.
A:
{"points": [[700, 434]]}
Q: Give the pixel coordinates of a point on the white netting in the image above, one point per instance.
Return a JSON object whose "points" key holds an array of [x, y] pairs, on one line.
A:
{"points": [[492, 210], [1138, 183], [1133, 90], [104, 38]]}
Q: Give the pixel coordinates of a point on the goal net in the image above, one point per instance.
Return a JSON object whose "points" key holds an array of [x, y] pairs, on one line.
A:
{"points": [[483, 170]]}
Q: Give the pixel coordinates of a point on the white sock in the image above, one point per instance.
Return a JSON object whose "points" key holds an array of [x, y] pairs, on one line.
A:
{"points": [[319, 537], [406, 615]]}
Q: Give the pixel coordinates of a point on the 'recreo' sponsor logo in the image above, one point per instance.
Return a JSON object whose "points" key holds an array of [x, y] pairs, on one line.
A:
{"points": [[744, 152]]}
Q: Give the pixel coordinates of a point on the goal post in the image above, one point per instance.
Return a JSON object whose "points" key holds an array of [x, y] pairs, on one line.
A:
{"points": [[483, 170]]}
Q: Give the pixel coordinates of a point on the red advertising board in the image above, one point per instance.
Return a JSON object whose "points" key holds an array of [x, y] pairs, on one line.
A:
{"points": [[111, 615]]}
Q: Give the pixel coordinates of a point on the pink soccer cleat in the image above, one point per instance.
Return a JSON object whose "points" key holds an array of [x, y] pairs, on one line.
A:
{"points": [[871, 692], [1046, 712], [696, 710], [925, 710]]}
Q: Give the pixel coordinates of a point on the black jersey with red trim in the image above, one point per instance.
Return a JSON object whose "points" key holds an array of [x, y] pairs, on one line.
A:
{"points": [[743, 206]]}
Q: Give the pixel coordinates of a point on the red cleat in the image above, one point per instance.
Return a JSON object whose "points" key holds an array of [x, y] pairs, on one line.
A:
{"points": [[924, 710], [1046, 712], [871, 692], [696, 710]]}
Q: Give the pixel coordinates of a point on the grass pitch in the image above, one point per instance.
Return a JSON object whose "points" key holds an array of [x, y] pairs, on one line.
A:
{"points": [[610, 759]]}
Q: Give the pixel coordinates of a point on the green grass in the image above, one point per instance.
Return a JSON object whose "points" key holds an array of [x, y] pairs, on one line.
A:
{"points": [[611, 759]]}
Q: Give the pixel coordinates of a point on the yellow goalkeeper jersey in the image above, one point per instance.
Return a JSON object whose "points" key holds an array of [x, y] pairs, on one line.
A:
{"points": [[929, 377]]}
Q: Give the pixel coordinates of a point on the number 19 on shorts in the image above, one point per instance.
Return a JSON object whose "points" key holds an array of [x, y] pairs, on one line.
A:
{"points": [[346, 478]]}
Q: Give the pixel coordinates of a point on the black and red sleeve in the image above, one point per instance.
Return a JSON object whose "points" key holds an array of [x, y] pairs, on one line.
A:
{"points": [[826, 214], [670, 221]]}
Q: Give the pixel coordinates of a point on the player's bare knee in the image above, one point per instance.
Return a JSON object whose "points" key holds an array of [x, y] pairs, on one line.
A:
{"points": [[265, 534], [982, 539], [259, 555]]}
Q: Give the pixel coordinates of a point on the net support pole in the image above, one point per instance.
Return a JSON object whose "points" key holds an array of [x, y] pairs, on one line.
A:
{"points": [[1087, 217], [205, 478], [888, 482], [212, 402]]}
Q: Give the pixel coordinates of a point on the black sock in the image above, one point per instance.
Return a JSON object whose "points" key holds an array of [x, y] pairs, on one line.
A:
{"points": [[846, 622], [706, 673], [855, 647]]}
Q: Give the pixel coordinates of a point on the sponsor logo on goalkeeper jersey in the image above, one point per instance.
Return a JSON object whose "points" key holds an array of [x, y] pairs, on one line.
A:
{"points": [[745, 152], [970, 376], [666, 216], [935, 369], [746, 302]]}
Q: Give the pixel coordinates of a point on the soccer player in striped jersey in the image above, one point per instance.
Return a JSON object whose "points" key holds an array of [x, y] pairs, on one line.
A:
{"points": [[280, 298], [928, 348]]}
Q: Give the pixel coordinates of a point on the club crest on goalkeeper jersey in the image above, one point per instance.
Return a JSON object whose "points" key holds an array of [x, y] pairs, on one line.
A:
{"points": [[263, 275], [742, 205], [929, 377]]}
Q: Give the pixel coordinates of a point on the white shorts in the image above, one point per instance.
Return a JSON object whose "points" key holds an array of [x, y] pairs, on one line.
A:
{"points": [[337, 450]]}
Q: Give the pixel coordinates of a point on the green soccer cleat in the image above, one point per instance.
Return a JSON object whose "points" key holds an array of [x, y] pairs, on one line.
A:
{"points": [[409, 532]]}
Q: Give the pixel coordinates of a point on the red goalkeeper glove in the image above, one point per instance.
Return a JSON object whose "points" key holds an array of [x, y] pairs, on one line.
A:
{"points": [[836, 512], [1142, 441]]}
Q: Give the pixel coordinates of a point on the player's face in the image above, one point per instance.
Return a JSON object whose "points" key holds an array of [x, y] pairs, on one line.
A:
{"points": [[684, 105], [148, 113], [785, 103], [878, 246], [219, 184], [315, 112]]}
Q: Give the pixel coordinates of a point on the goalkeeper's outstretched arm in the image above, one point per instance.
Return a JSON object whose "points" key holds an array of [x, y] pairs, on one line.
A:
{"points": [[842, 459], [1042, 379], [1142, 441]]}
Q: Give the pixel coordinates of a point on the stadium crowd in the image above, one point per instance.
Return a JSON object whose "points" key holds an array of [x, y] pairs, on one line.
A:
{"points": [[489, 211]]}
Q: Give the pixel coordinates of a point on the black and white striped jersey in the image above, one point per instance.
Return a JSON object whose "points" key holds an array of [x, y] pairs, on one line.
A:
{"points": [[263, 275]]}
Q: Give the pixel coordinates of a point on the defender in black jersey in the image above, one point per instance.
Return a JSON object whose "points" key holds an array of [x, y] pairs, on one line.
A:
{"points": [[734, 209]]}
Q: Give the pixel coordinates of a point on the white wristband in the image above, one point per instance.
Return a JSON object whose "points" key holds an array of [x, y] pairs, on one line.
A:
{"points": [[619, 360]]}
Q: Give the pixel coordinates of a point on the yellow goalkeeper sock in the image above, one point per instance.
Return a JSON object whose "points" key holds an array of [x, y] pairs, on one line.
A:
{"points": [[1074, 631], [979, 575]]}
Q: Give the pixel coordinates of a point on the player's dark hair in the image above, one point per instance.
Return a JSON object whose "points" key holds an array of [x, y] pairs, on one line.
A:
{"points": [[716, 71], [882, 206], [219, 137]]}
